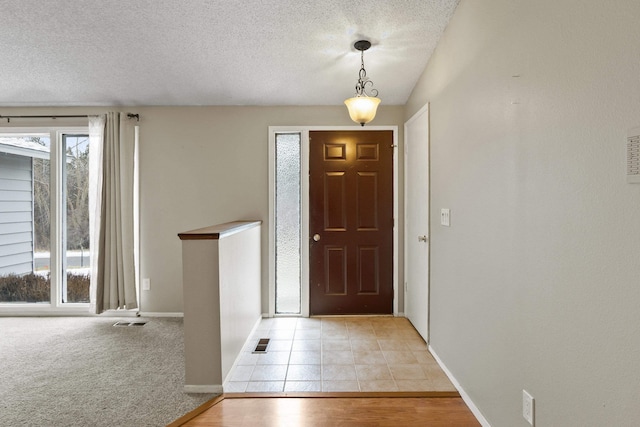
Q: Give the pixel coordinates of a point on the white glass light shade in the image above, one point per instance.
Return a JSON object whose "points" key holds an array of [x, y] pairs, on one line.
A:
{"points": [[362, 109]]}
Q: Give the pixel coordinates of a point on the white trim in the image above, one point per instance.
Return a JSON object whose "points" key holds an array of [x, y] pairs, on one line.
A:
{"points": [[396, 237], [26, 310], [136, 213], [417, 114], [304, 174], [272, 225], [67, 309], [56, 205], [472, 406], [160, 314], [304, 219], [304, 224], [213, 388], [119, 313], [425, 108]]}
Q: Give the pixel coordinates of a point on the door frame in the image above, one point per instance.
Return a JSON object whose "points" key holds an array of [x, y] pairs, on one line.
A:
{"points": [[304, 200], [407, 145]]}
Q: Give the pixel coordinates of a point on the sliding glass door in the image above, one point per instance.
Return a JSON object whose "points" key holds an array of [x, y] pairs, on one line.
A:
{"points": [[44, 220]]}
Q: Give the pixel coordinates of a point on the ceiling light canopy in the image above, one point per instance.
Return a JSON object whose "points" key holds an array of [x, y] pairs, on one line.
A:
{"points": [[362, 107]]}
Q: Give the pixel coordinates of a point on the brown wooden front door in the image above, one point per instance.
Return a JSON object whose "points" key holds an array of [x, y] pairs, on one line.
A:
{"points": [[351, 222]]}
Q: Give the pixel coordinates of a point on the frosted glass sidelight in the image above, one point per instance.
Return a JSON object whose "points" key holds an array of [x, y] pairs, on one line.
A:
{"points": [[287, 223]]}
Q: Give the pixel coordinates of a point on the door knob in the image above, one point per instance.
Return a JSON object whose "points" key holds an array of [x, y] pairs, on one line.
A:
{"points": [[316, 237], [422, 238]]}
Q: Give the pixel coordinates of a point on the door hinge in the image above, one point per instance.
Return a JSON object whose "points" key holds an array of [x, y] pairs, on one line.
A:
{"points": [[394, 146]]}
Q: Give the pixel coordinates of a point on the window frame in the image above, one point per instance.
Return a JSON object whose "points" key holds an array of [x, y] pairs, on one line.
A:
{"points": [[57, 231]]}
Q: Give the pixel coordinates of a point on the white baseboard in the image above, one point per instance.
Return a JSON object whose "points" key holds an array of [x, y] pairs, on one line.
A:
{"points": [[267, 316], [474, 409], [119, 313], [45, 313], [244, 345], [213, 388], [160, 314]]}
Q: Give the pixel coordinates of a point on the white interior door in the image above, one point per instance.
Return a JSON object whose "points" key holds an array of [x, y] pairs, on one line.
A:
{"points": [[416, 146]]}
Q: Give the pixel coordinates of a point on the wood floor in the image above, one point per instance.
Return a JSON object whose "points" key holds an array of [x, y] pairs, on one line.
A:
{"points": [[330, 411]]}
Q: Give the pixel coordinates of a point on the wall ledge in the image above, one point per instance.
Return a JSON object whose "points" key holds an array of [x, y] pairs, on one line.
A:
{"points": [[219, 231]]}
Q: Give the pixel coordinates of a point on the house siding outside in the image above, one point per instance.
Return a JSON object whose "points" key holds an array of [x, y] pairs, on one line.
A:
{"points": [[16, 214]]}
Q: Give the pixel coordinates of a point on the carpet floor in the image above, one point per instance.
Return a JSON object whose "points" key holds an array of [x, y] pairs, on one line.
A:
{"points": [[83, 371]]}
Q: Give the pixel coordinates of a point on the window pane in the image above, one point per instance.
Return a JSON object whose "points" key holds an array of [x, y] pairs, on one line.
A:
{"points": [[76, 189], [287, 221], [25, 220]]}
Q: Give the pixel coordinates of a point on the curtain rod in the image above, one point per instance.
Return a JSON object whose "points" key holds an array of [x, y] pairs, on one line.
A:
{"points": [[129, 115]]}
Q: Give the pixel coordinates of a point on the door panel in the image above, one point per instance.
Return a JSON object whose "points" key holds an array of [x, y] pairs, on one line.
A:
{"points": [[351, 222], [335, 201], [336, 271], [417, 222], [367, 197]]}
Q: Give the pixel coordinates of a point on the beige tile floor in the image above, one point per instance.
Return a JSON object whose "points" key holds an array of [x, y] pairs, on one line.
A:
{"points": [[337, 354]]}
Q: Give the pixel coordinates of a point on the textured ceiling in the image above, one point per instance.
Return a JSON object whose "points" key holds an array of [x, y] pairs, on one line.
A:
{"points": [[212, 52]]}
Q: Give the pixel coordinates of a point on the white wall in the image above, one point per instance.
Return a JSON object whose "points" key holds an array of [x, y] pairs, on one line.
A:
{"points": [[202, 166], [240, 305], [536, 284], [221, 279]]}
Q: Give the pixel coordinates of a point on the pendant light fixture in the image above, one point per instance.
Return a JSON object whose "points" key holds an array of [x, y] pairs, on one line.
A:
{"points": [[362, 107]]}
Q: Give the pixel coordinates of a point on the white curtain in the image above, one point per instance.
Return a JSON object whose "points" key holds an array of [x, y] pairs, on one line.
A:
{"points": [[113, 140]]}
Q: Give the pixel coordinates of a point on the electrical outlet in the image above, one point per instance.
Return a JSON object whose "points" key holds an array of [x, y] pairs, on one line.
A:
{"points": [[146, 284], [528, 407], [445, 217]]}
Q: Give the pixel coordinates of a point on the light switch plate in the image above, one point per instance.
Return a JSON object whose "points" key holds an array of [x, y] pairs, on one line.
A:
{"points": [[528, 408], [633, 156], [445, 217]]}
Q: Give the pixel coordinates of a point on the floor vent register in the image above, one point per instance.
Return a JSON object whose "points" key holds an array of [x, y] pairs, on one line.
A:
{"points": [[261, 348], [130, 323]]}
